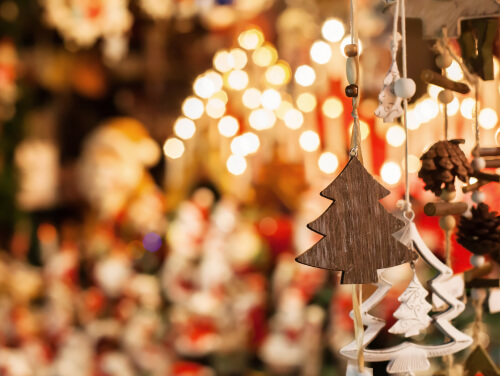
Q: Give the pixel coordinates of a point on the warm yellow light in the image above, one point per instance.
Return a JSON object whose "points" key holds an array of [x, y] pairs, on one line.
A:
{"points": [[251, 98], [467, 107], [283, 109], [328, 163], [192, 108], [237, 80], [215, 108], [173, 148], [413, 163], [236, 164], [294, 119], [223, 61], [453, 107], [216, 80], [306, 102], [413, 120], [333, 30], [390, 173], [262, 119], [332, 108], [346, 41], [184, 128], [488, 118], [251, 39], [496, 66], [265, 56], [395, 136], [271, 99], [203, 87], [454, 72], [228, 126], [309, 141], [434, 91], [222, 95], [428, 109], [305, 75], [497, 137], [364, 129], [239, 57], [321, 52], [278, 74], [245, 144]]}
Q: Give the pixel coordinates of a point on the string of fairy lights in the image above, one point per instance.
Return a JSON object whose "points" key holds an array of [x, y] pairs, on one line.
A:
{"points": [[250, 96]]}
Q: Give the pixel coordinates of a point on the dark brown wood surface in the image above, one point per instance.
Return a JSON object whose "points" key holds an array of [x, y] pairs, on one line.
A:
{"points": [[445, 208], [480, 362], [430, 77], [357, 229]]}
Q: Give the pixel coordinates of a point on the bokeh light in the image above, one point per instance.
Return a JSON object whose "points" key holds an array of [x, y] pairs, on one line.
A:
{"points": [[305, 75], [261, 119], [251, 39], [215, 108], [328, 163], [467, 107], [228, 126], [251, 98], [364, 129], [240, 58], [309, 141], [306, 102], [271, 99], [390, 173], [236, 164], [333, 30], [488, 118], [173, 148], [278, 74], [237, 80], [265, 56], [283, 109], [223, 61], [332, 108], [294, 119], [395, 136], [454, 72], [184, 128], [192, 108], [321, 52]]}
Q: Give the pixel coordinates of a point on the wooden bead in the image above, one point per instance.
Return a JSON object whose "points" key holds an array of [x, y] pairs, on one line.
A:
{"points": [[443, 61], [351, 91], [447, 223], [448, 195], [352, 70], [477, 260], [351, 50], [405, 88], [478, 164], [478, 197], [445, 96]]}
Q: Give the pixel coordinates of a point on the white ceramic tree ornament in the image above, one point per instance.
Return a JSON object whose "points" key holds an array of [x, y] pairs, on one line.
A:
{"points": [[409, 357]]}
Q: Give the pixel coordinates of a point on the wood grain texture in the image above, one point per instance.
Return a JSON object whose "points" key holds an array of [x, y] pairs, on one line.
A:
{"points": [[430, 77], [480, 362], [437, 13], [357, 229]]}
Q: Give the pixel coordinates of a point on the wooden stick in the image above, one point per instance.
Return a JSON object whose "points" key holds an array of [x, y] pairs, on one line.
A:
{"points": [[478, 272], [492, 163], [488, 177], [475, 186], [434, 78], [489, 152], [482, 283], [445, 208]]}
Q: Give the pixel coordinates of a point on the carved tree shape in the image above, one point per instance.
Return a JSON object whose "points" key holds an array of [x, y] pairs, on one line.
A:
{"points": [[357, 229], [408, 356]]}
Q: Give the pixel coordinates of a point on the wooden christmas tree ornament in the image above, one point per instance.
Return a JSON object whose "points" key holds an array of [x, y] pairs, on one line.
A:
{"points": [[479, 362], [357, 229]]}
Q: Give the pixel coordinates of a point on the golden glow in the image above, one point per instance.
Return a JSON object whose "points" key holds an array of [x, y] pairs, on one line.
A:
{"points": [[364, 128], [428, 109], [413, 163], [223, 61], [278, 74], [237, 80], [434, 91], [271, 99], [294, 119], [333, 30], [390, 173], [453, 107], [332, 108], [395, 136], [239, 57], [251, 98], [192, 108], [467, 107], [488, 118], [309, 141], [251, 39], [283, 109], [413, 120], [262, 119], [184, 128], [346, 41], [328, 163], [305, 75], [306, 102], [228, 126], [321, 52], [454, 72], [245, 144], [203, 87], [236, 164], [216, 80], [173, 148], [216, 108], [222, 95], [265, 56]]}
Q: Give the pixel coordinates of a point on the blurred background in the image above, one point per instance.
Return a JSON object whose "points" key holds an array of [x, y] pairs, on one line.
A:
{"points": [[159, 162]]}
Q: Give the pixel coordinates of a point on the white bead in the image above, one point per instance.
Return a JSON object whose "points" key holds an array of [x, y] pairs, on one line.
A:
{"points": [[352, 70], [447, 223], [445, 96], [477, 260], [478, 197], [478, 164], [405, 88], [443, 61], [448, 195]]}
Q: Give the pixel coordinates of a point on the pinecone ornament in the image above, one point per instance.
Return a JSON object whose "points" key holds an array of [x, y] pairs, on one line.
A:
{"points": [[441, 164], [480, 234]]}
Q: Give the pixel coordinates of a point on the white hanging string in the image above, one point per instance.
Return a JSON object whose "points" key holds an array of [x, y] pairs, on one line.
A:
{"points": [[356, 133]]}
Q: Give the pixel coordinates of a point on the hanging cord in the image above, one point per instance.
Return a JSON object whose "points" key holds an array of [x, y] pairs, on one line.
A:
{"points": [[477, 303], [475, 116], [444, 39]]}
